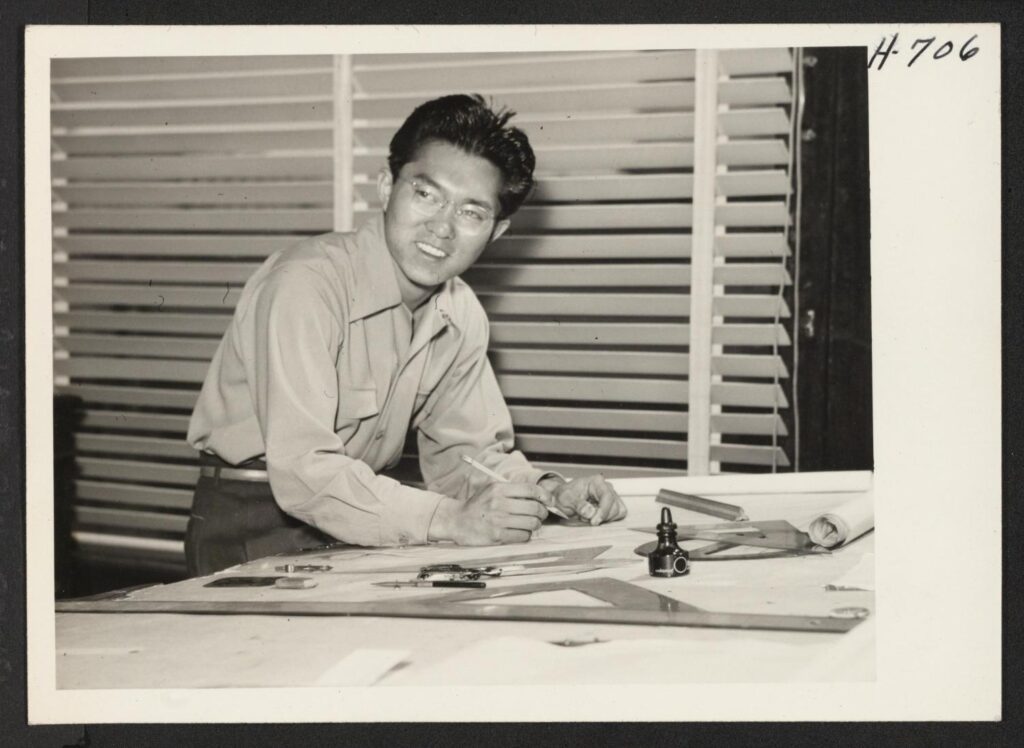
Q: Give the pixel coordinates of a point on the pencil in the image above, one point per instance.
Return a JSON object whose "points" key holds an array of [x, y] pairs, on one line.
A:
{"points": [[502, 479]]}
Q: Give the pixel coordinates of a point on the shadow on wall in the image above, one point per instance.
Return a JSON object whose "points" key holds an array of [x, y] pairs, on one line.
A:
{"points": [[76, 573], [66, 418]]}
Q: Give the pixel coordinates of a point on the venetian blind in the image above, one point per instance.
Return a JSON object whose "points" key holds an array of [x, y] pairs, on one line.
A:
{"points": [[751, 249], [588, 293], [173, 179]]}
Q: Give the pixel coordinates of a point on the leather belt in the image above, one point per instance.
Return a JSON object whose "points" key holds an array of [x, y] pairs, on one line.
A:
{"points": [[232, 473]]}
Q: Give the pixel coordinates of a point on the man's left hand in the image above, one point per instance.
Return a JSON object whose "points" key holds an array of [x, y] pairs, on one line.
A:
{"points": [[592, 499]]}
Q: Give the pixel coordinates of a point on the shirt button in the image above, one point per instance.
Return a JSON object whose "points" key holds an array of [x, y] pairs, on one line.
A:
{"points": [[403, 539], [379, 435]]}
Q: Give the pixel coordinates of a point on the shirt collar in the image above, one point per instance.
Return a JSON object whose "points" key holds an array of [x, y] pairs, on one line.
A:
{"points": [[377, 287]]}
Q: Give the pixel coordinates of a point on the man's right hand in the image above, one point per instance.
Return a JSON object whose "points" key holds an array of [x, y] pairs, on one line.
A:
{"points": [[498, 513]]}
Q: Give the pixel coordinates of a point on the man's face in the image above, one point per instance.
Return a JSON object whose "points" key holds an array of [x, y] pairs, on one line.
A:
{"points": [[438, 216]]}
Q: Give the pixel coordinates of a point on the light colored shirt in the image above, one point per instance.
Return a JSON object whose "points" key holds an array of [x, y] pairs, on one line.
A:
{"points": [[323, 371]]}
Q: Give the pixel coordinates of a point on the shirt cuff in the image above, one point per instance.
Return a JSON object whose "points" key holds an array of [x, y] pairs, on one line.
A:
{"points": [[406, 517]]}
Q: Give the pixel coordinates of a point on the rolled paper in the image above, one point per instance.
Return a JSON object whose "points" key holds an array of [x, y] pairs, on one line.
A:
{"points": [[845, 523]]}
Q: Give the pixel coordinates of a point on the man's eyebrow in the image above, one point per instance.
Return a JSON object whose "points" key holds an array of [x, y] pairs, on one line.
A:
{"points": [[483, 203]]}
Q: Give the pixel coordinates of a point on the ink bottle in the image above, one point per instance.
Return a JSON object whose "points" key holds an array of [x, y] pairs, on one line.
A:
{"points": [[668, 559]]}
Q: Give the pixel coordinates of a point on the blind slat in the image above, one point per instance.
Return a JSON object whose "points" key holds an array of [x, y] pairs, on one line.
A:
{"points": [[541, 70], [133, 421], [139, 495], [628, 216], [735, 62], [742, 123], [165, 272], [586, 304], [598, 419], [599, 389], [135, 66], [525, 248], [630, 333], [312, 220], [131, 549], [752, 183], [308, 164], [749, 455], [577, 275], [153, 370], [568, 361], [198, 324], [751, 245], [749, 395], [159, 295], [184, 112], [267, 82], [134, 445], [602, 446], [749, 424], [234, 140], [752, 214], [589, 333], [157, 194], [142, 245], [163, 347], [137, 471], [133, 396], [130, 519]]}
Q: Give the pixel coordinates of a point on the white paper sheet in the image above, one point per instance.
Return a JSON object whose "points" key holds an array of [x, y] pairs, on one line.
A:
{"points": [[363, 667], [845, 523], [860, 577], [521, 661]]}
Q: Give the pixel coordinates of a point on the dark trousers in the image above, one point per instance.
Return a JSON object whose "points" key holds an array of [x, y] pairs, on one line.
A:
{"points": [[234, 521]]}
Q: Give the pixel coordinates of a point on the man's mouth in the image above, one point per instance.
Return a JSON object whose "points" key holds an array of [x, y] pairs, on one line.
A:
{"points": [[431, 250]]}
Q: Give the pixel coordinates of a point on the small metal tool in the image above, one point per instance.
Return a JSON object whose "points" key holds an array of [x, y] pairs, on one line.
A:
{"points": [[457, 572], [290, 568]]}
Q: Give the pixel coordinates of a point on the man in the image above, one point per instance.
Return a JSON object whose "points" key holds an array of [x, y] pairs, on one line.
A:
{"points": [[342, 343]]}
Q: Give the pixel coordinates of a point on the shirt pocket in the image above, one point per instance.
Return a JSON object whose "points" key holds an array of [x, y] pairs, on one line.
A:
{"points": [[355, 405]]}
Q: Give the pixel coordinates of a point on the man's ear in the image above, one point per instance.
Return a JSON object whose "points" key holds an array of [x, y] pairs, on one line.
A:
{"points": [[500, 228], [384, 186]]}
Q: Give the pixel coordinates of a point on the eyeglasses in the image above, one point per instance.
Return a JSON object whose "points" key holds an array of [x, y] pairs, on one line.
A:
{"points": [[428, 201]]}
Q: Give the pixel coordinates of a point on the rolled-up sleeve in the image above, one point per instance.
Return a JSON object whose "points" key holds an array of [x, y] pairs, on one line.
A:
{"points": [[467, 415], [290, 335]]}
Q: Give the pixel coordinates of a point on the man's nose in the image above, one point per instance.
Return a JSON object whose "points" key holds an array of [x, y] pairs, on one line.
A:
{"points": [[442, 223]]}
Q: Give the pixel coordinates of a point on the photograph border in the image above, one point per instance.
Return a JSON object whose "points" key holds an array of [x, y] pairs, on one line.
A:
{"points": [[899, 461]]}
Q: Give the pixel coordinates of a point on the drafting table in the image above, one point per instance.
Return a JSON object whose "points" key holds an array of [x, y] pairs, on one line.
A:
{"points": [[179, 650]]}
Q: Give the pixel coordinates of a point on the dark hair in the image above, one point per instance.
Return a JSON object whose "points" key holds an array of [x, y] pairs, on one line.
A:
{"points": [[470, 124]]}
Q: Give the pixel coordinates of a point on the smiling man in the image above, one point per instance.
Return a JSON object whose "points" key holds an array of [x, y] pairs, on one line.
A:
{"points": [[343, 343]]}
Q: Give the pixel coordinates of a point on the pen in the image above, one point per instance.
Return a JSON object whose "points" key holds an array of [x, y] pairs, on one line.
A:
{"points": [[438, 583], [502, 479]]}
